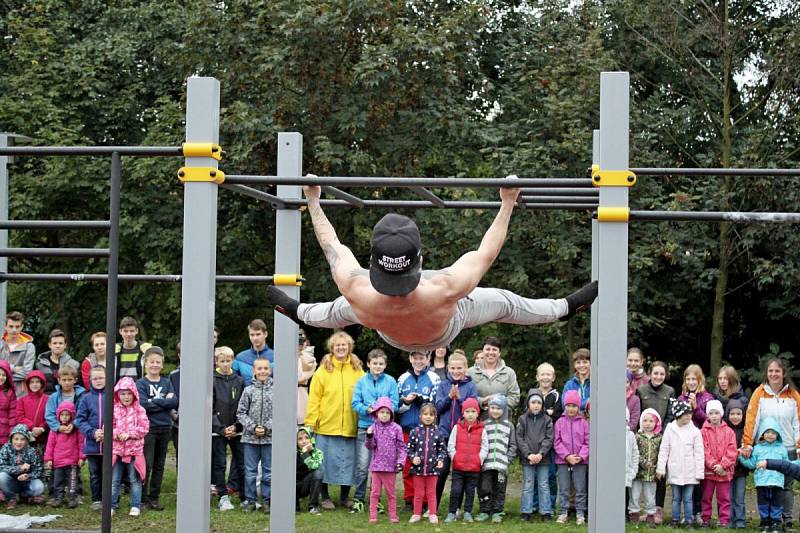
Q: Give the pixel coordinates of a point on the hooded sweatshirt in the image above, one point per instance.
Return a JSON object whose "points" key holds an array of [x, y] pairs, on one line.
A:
{"points": [[55, 400], [738, 429], [649, 446], [719, 443], [307, 462], [386, 440], [228, 390], [430, 445], [255, 409], [534, 433], [501, 436], [367, 391], [23, 355], [449, 410], [65, 449], [89, 418], [571, 437], [31, 407], [11, 459], [681, 455], [50, 369], [764, 451], [131, 419], [8, 402]]}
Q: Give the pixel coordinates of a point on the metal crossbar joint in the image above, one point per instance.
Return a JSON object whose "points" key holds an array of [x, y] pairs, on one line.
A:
{"points": [[613, 214], [612, 178], [292, 280], [202, 150], [201, 174]]}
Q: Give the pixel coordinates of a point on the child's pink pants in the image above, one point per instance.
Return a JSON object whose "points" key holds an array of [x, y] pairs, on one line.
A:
{"points": [[383, 480], [425, 488], [723, 490]]}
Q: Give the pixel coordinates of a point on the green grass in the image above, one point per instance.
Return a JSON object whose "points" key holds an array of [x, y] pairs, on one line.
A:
{"points": [[339, 520]]}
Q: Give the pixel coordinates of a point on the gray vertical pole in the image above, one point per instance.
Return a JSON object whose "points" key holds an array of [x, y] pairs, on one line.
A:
{"points": [[197, 313], [287, 261], [593, 343], [4, 160], [111, 327], [608, 407]]}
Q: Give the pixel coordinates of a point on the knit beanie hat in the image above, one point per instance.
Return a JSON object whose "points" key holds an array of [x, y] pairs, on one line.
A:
{"points": [[714, 405], [734, 404], [679, 409], [499, 400], [572, 397], [470, 403], [535, 394]]}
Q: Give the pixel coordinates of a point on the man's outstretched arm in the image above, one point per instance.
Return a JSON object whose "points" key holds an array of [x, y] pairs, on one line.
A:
{"points": [[340, 259], [467, 271]]}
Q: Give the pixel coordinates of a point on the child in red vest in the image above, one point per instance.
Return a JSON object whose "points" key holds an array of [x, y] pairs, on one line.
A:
{"points": [[468, 447]]}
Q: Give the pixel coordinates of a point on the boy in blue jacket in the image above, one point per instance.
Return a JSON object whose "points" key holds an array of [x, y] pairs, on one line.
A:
{"points": [[90, 423], [769, 484], [368, 389], [158, 399]]}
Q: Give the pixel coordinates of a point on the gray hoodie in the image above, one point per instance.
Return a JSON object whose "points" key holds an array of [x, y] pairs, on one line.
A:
{"points": [[534, 432]]}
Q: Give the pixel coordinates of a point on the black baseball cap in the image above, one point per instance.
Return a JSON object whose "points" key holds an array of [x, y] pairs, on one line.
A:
{"points": [[395, 259]]}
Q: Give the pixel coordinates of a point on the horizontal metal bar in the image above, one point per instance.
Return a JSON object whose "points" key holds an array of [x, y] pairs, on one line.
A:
{"points": [[152, 278], [564, 207], [273, 200], [428, 195], [561, 191], [54, 252], [346, 196], [713, 216], [560, 199], [716, 171], [140, 151], [55, 224], [421, 204], [343, 181]]}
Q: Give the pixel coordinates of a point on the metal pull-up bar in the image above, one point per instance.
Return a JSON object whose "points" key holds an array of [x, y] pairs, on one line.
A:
{"points": [[152, 278], [716, 171]]}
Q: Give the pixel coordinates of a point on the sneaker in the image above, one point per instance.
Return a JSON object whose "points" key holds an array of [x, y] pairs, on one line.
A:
{"points": [[674, 524], [433, 519], [247, 506], [96, 506], [55, 501], [525, 517], [580, 520], [283, 303], [11, 504], [225, 504], [39, 500], [72, 502], [327, 504], [357, 507], [698, 519], [562, 519], [265, 506], [134, 511], [468, 517], [155, 505], [497, 518], [482, 517], [394, 519], [314, 510], [658, 518], [414, 519], [451, 517], [213, 491], [547, 517]]}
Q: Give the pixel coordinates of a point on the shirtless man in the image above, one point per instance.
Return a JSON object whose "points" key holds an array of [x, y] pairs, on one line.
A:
{"points": [[414, 309]]}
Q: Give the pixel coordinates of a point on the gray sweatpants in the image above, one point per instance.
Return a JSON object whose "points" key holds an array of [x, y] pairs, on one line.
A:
{"points": [[481, 306], [573, 476]]}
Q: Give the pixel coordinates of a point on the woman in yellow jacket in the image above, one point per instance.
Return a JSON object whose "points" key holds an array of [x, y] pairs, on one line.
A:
{"points": [[332, 418]]}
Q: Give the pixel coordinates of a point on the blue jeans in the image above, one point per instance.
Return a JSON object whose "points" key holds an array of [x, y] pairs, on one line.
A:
{"points": [[535, 484], [737, 501], [253, 453], [363, 457], [682, 494], [552, 481], [133, 477], [11, 486]]}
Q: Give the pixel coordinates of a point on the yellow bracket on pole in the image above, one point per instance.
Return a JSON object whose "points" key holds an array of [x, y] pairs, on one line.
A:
{"points": [[202, 150], [201, 174], [612, 178], [613, 214], [295, 280]]}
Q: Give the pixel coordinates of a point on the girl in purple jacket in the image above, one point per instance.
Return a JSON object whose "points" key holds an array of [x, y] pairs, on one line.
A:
{"points": [[571, 443], [385, 441]]}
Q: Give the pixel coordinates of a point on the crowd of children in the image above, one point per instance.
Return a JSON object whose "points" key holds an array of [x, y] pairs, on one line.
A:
{"points": [[428, 425]]}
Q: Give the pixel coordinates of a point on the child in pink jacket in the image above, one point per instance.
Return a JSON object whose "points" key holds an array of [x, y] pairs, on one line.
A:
{"points": [[130, 427], [64, 455], [719, 442], [682, 459], [571, 444]]}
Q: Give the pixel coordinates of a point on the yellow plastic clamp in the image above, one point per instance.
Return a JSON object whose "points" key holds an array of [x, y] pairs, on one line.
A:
{"points": [[612, 178], [202, 150], [201, 174], [288, 279], [613, 214]]}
